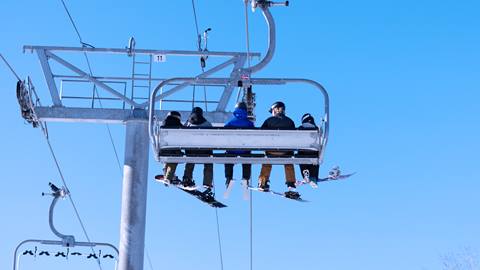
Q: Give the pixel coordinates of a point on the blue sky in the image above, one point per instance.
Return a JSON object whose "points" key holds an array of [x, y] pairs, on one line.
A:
{"points": [[403, 82]]}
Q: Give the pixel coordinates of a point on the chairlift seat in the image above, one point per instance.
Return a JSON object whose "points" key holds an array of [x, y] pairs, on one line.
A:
{"points": [[249, 139]]}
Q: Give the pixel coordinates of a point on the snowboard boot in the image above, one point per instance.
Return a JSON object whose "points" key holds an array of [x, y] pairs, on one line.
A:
{"points": [[175, 181], [208, 194], [291, 186], [188, 184], [265, 187]]}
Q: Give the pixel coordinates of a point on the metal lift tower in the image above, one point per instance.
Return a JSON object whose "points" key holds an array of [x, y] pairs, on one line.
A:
{"points": [[131, 111]]}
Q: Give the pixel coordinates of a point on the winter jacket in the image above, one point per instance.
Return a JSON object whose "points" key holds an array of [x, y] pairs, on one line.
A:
{"points": [[279, 121], [197, 120], [239, 120], [308, 125], [171, 122]]}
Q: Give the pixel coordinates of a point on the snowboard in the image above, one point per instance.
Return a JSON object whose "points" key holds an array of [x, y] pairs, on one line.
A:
{"points": [[201, 195], [281, 194], [333, 175]]}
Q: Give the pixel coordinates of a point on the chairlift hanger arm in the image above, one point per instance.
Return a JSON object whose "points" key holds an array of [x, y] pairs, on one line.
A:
{"points": [[271, 41]]}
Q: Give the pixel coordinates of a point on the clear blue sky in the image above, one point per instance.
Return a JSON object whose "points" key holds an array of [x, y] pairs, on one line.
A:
{"points": [[403, 78]]}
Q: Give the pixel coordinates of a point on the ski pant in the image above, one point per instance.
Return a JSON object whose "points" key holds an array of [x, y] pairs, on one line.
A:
{"points": [[169, 170], [207, 168], [246, 171], [267, 169], [312, 170], [207, 173]]}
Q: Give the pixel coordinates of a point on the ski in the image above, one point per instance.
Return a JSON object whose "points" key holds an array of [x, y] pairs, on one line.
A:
{"points": [[246, 191], [204, 196], [229, 188], [243, 183]]}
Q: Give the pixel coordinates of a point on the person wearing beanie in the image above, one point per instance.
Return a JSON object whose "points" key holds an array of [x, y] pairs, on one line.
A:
{"points": [[309, 171], [173, 120], [239, 120], [196, 119]]}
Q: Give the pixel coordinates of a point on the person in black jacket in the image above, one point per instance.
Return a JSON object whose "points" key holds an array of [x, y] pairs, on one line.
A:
{"points": [[173, 120], [196, 119], [278, 120], [308, 122]]}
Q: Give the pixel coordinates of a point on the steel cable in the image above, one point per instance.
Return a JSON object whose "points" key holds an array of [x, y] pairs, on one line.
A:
{"points": [[251, 195], [206, 109], [10, 67]]}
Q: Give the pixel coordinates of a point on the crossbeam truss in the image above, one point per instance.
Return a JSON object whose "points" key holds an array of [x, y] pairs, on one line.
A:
{"points": [[49, 54]]}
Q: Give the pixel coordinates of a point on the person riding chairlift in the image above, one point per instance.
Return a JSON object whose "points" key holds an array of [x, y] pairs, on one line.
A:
{"points": [[196, 119], [278, 120], [309, 171], [239, 120], [173, 120]]}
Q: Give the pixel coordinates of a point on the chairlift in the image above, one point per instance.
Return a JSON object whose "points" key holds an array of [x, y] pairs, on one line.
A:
{"points": [[257, 140], [66, 241]]}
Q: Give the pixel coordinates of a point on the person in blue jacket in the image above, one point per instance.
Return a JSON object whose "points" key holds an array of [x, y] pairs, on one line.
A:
{"points": [[239, 120]]}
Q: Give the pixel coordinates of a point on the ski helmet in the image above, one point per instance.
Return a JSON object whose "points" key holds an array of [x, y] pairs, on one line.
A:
{"points": [[197, 110], [307, 118], [175, 114], [277, 104]]}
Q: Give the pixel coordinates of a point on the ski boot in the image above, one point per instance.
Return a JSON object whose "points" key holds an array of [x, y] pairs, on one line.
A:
{"points": [[227, 183]]}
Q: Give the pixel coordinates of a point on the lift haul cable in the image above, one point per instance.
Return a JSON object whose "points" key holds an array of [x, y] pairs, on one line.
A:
{"points": [[202, 65], [108, 128], [10, 67], [95, 91], [247, 43], [69, 194], [45, 132]]}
